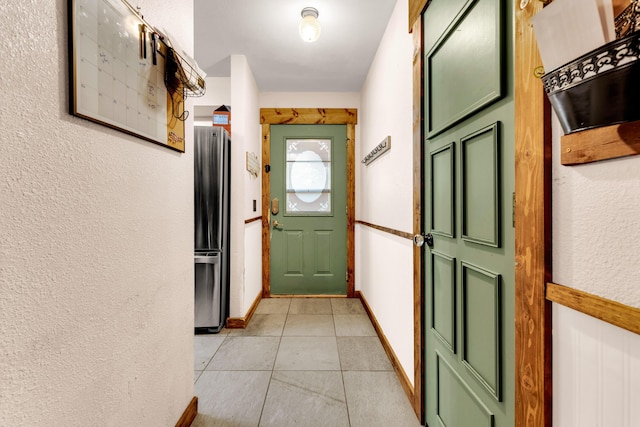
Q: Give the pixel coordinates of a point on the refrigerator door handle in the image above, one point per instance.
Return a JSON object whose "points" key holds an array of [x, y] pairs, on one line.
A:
{"points": [[207, 259]]}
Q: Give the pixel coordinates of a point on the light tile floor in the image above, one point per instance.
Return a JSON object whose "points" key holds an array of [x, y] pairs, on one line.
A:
{"points": [[300, 362]]}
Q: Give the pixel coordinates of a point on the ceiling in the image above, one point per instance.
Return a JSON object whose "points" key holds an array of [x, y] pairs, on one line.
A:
{"points": [[266, 32]]}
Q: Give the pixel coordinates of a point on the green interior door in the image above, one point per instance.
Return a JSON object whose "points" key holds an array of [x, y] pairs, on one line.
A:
{"points": [[309, 209], [469, 182]]}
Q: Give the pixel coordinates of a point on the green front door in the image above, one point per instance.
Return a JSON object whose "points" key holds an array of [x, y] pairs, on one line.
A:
{"points": [[308, 210], [468, 188]]}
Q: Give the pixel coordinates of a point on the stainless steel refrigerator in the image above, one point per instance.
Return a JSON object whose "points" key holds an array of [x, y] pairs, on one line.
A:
{"points": [[211, 196]]}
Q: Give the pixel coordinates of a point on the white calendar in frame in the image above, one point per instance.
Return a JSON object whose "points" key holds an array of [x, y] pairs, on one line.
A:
{"points": [[117, 64]]}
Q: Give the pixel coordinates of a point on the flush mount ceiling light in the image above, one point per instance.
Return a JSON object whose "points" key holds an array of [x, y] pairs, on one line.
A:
{"points": [[309, 26]]}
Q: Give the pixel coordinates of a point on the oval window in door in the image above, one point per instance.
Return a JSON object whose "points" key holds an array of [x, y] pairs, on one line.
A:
{"points": [[308, 176]]}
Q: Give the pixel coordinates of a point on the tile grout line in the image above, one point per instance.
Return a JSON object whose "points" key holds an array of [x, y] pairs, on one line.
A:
{"points": [[214, 354], [344, 388], [273, 367], [335, 311]]}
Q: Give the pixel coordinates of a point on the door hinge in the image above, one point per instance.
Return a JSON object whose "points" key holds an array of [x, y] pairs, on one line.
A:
{"points": [[513, 209], [346, 276]]}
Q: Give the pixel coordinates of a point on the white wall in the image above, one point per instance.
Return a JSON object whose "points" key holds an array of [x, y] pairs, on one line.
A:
{"points": [[246, 239], [96, 237], [384, 189], [309, 99], [218, 92], [596, 235]]}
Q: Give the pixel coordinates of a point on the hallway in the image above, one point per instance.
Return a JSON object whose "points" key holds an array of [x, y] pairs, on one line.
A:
{"points": [[301, 361]]}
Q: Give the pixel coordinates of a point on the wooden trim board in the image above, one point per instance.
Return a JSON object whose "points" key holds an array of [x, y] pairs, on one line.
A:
{"points": [[254, 219], [533, 229], [266, 211], [615, 313], [189, 413], [415, 11], [603, 143], [418, 184], [387, 230], [351, 205], [242, 322], [309, 116]]}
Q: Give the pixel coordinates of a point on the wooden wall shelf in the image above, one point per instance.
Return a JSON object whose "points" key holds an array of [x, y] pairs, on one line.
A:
{"points": [[603, 143]]}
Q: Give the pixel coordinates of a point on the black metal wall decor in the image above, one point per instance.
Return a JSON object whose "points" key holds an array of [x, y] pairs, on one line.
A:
{"points": [[600, 88]]}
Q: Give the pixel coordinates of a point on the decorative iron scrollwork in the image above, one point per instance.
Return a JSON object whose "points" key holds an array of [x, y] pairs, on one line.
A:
{"points": [[628, 21]]}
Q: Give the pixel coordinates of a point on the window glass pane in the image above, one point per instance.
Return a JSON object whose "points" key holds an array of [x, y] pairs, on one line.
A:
{"points": [[308, 176]]}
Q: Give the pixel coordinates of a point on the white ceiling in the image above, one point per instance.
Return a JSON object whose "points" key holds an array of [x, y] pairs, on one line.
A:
{"points": [[266, 32]]}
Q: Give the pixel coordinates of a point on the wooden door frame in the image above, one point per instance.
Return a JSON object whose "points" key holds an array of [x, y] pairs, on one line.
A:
{"points": [[308, 116], [532, 212]]}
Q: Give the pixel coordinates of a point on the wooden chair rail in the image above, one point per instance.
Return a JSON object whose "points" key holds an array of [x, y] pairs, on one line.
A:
{"points": [[612, 312]]}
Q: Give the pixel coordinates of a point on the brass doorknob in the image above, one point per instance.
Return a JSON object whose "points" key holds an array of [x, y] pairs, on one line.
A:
{"points": [[277, 224]]}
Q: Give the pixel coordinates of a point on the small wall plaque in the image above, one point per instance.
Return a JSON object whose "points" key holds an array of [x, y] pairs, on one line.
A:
{"points": [[379, 150], [252, 164]]}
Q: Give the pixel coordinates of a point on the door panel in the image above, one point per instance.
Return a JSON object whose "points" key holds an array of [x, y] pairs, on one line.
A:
{"points": [[308, 243], [441, 15], [469, 168], [457, 404], [442, 191], [323, 246], [464, 67], [294, 245], [481, 186], [443, 304], [481, 318]]}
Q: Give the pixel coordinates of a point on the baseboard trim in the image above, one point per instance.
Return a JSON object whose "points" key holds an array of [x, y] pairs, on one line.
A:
{"points": [[397, 367], [242, 322], [189, 414]]}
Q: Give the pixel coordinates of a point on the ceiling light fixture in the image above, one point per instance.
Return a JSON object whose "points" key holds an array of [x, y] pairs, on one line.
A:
{"points": [[309, 26]]}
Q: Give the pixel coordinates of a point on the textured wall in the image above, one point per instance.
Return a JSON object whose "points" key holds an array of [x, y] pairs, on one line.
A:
{"points": [[596, 226], [96, 241]]}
